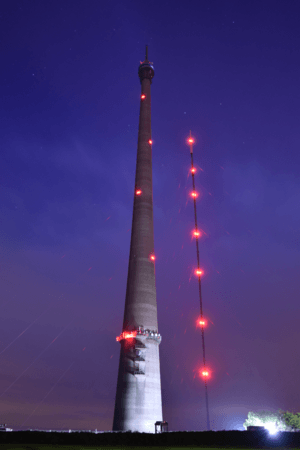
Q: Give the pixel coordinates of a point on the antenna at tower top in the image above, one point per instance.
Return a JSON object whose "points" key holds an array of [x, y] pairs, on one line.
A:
{"points": [[146, 52]]}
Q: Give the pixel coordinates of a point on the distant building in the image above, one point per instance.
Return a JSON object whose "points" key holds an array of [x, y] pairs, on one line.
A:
{"points": [[3, 427], [255, 428]]}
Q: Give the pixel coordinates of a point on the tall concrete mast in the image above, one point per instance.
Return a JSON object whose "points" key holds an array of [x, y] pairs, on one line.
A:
{"points": [[138, 399]]}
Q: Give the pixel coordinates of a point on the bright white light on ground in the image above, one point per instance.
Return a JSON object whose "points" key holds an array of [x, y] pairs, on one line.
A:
{"points": [[271, 427]]}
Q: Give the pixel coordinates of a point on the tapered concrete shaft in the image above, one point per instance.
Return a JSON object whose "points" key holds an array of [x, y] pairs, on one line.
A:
{"points": [[138, 400]]}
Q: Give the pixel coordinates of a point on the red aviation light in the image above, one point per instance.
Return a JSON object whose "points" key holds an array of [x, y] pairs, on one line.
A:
{"points": [[152, 257], [190, 141], [196, 233], [205, 373], [143, 96], [201, 322], [129, 335], [150, 141], [198, 272], [193, 170], [138, 192], [126, 335], [194, 194]]}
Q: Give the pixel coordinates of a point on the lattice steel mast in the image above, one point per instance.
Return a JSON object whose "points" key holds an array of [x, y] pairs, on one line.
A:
{"points": [[199, 273]]}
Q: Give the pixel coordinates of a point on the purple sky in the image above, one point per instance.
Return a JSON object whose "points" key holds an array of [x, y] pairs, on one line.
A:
{"points": [[229, 71]]}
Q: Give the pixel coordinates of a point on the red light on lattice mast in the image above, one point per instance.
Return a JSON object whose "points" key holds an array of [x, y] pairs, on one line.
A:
{"points": [[138, 192], [143, 96], [201, 323], [150, 141], [198, 272], [190, 140], [194, 194], [152, 257], [205, 373], [196, 233], [193, 170]]}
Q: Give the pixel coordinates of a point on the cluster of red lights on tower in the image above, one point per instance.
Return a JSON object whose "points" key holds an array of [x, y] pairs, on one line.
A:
{"points": [[126, 335]]}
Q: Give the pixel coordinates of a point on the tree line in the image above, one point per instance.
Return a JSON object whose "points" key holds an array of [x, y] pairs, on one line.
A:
{"points": [[279, 421]]}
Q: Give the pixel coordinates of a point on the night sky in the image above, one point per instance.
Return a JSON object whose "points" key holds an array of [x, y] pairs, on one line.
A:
{"points": [[227, 70]]}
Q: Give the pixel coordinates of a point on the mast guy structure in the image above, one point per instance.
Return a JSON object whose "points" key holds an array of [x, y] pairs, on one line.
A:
{"points": [[138, 402], [196, 233]]}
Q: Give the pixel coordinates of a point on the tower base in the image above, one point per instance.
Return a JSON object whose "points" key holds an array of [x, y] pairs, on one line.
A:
{"points": [[138, 401]]}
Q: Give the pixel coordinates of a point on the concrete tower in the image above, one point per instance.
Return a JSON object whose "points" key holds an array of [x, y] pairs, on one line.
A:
{"points": [[138, 399]]}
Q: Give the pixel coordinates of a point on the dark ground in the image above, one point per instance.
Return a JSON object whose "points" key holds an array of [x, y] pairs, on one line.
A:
{"points": [[221, 439]]}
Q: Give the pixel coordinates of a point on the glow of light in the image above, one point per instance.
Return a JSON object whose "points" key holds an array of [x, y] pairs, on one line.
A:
{"points": [[196, 233], [205, 373], [193, 170], [126, 335], [190, 140], [202, 323], [130, 335], [138, 192], [143, 96], [150, 141], [152, 257], [194, 194], [198, 272], [271, 427]]}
